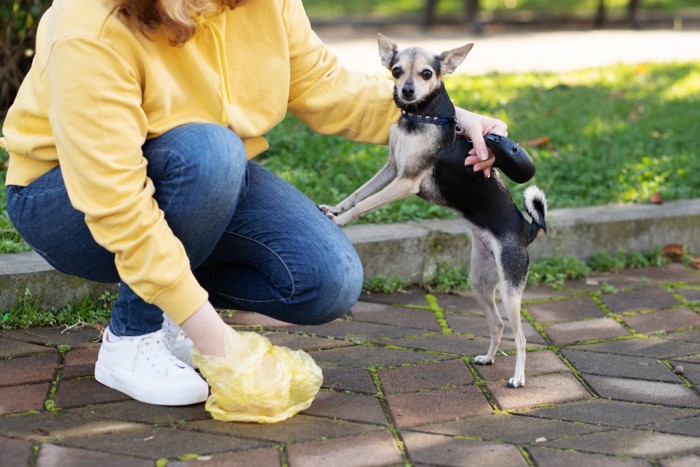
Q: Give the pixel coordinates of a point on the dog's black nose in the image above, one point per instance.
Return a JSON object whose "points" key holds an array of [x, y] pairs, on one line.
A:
{"points": [[408, 91]]}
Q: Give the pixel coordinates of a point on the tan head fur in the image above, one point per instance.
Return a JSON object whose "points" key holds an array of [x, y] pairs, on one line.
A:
{"points": [[418, 72]]}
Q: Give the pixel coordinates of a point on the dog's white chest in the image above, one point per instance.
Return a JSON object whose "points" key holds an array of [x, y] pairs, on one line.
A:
{"points": [[412, 152]]}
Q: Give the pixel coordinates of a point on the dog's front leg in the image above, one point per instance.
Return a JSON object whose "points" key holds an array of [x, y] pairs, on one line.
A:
{"points": [[380, 180], [397, 189]]}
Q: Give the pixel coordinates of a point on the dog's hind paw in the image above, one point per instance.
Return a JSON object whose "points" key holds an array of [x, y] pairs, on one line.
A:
{"points": [[483, 360], [516, 382]]}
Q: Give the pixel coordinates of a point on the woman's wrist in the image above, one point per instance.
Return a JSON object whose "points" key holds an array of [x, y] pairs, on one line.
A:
{"points": [[207, 330]]}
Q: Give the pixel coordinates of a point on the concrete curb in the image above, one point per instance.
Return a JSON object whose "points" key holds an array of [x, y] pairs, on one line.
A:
{"points": [[413, 249]]}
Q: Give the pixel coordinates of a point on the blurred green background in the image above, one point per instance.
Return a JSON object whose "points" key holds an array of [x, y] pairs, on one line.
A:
{"points": [[448, 9]]}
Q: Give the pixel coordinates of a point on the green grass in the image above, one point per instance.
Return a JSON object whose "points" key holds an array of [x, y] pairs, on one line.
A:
{"points": [[616, 135], [28, 312], [555, 271]]}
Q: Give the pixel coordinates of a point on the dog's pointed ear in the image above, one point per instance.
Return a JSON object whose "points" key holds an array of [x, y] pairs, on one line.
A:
{"points": [[451, 59], [387, 50]]}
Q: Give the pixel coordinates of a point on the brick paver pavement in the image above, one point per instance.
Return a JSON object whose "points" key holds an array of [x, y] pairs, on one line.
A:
{"points": [[612, 379]]}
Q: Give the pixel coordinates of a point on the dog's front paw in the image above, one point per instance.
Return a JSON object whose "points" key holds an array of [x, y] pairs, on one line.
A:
{"points": [[483, 360], [331, 212], [516, 382]]}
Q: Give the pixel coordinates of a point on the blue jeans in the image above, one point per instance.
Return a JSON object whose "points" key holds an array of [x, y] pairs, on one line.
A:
{"points": [[254, 242]]}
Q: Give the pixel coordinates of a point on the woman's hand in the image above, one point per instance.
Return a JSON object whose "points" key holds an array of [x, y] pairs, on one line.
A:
{"points": [[475, 127]]}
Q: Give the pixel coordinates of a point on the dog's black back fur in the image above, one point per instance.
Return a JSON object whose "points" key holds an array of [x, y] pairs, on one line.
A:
{"points": [[485, 202]]}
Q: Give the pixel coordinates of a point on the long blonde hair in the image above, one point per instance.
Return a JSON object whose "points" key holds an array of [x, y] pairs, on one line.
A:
{"points": [[177, 18]]}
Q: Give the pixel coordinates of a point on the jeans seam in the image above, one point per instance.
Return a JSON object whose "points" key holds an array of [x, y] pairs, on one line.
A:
{"points": [[247, 300], [284, 263], [24, 193], [54, 264]]}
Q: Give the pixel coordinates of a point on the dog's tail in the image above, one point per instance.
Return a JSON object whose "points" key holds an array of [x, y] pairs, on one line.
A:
{"points": [[536, 206]]}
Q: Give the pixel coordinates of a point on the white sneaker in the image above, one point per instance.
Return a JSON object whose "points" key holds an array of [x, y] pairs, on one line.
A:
{"points": [[144, 368], [180, 344]]}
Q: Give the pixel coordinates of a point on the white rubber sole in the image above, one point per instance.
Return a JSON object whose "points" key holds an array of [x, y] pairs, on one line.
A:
{"points": [[155, 394]]}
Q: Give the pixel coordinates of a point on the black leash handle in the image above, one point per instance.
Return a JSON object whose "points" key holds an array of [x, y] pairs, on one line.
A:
{"points": [[511, 158]]}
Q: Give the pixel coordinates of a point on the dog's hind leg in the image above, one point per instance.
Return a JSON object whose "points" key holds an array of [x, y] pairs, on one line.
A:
{"points": [[511, 301], [514, 261], [484, 279]]}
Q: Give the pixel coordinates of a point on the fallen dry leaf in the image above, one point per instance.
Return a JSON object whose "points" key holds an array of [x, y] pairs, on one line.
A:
{"points": [[674, 251], [541, 141]]}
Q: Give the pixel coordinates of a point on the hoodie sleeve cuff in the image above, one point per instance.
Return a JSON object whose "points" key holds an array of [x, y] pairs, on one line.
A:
{"points": [[181, 301]]}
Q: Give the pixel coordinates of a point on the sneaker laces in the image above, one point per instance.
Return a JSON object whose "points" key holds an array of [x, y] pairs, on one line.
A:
{"points": [[156, 352]]}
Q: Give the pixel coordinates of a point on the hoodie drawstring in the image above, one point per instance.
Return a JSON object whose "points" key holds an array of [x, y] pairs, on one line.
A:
{"points": [[225, 90]]}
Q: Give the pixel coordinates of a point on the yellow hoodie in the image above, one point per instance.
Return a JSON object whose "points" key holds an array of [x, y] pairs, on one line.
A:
{"points": [[98, 89]]}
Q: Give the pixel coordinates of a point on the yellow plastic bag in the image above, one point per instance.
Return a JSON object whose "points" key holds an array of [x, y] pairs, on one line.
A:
{"points": [[258, 381]]}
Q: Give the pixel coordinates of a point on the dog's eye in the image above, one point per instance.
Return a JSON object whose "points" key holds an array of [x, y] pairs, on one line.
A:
{"points": [[396, 71], [426, 74]]}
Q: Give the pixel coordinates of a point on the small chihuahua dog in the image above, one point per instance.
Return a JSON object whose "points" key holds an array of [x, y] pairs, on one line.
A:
{"points": [[426, 157]]}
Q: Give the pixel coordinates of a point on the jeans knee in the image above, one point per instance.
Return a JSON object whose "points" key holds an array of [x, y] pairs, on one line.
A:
{"points": [[336, 289], [223, 151]]}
